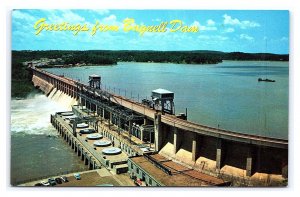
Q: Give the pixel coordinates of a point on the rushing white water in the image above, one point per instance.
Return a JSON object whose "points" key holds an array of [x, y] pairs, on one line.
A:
{"points": [[62, 99], [32, 115], [36, 149]]}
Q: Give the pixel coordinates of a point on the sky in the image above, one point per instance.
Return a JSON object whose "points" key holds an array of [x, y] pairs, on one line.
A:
{"points": [[255, 31]]}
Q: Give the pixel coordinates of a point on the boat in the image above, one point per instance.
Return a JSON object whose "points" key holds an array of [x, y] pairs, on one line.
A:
{"points": [[266, 80]]}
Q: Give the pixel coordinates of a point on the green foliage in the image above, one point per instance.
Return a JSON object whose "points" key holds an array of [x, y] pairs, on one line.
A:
{"points": [[21, 84], [20, 89], [255, 56], [89, 58], [21, 76]]}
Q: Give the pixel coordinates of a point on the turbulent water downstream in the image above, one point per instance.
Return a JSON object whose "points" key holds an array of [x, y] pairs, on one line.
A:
{"points": [[36, 149]]}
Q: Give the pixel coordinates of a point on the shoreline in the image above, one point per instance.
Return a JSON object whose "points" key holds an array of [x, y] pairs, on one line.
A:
{"points": [[183, 63]]}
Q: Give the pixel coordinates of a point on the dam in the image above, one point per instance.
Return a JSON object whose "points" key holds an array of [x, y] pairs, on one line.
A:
{"points": [[134, 126]]}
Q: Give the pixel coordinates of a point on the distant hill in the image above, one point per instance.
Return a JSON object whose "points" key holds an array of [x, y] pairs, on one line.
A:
{"points": [[255, 56], [112, 57], [21, 77]]}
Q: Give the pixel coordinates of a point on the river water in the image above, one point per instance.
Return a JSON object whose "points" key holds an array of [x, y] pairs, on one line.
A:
{"points": [[226, 94], [36, 149]]}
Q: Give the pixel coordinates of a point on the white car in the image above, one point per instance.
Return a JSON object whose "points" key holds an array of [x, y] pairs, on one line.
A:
{"points": [[77, 176]]}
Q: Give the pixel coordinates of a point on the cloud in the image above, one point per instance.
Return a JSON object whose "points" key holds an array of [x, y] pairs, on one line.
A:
{"points": [[99, 11], [246, 37], [17, 14], [59, 16], [93, 15], [213, 38], [222, 38], [156, 20], [229, 30], [228, 20], [110, 19], [203, 28], [210, 22], [195, 23], [204, 37], [68, 15]]}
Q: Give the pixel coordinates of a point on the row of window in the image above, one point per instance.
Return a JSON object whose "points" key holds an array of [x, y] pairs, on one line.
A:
{"points": [[143, 174]]}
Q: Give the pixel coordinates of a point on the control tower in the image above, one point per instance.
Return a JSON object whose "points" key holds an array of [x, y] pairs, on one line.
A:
{"points": [[163, 100]]}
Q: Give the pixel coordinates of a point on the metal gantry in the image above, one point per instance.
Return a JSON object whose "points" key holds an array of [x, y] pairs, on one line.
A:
{"points": [[119, 115]]}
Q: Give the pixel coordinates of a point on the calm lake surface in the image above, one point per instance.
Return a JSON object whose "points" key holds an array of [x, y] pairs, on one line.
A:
{"points": [[226, 94]]}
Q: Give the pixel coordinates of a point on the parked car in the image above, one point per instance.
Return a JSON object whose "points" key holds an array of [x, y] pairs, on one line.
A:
{"points": [[138, 182], [45, 183], [64, 179], [58, 181], [77, 176], [52, 181]]}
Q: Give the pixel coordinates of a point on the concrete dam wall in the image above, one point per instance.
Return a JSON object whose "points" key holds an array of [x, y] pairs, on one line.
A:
{"points": [[42, 84], [53, 93], [251, 158], [226, 157]]}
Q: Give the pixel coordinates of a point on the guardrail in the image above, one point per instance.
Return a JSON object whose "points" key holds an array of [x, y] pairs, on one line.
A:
{"points": [[158, 164]]}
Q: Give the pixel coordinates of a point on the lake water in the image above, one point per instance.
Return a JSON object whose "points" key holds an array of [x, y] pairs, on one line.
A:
{"points": [[36, 149], [226, 94]]}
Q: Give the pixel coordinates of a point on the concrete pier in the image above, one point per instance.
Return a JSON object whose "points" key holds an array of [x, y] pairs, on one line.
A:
{"points": [[157, 131], [177, 139], [219, 154], [249, 161], [195, 147]]}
